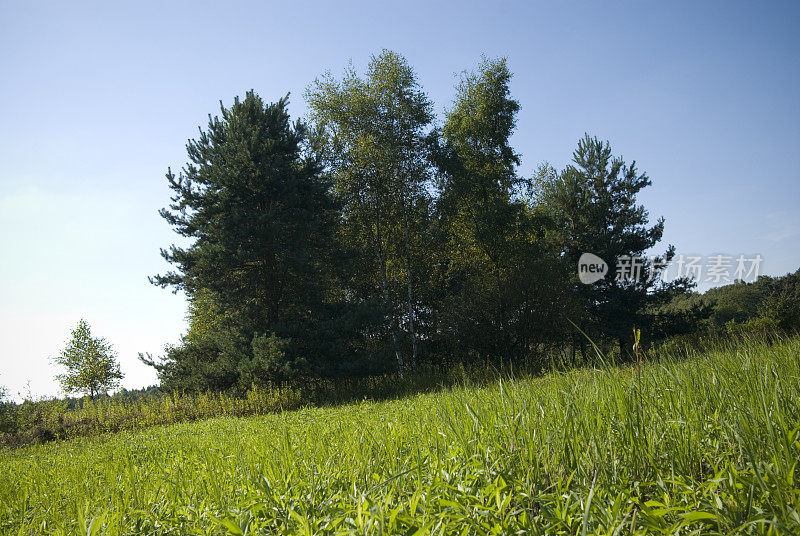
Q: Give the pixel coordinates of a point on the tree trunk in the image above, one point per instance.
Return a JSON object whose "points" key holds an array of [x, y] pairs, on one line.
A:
{"points": [[504, 338], [411, 330], [583, 346], [624, 348], [387, 302], [574, 346]]}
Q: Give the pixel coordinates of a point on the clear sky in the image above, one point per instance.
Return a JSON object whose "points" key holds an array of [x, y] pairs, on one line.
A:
{"points": [[98, 99]]}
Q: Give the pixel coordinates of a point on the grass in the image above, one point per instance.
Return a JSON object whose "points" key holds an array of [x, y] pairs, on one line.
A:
{"points": [[46, 420], [706, 445]]}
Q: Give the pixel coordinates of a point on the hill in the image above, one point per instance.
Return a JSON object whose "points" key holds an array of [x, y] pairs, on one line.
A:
{"points": [[705, 445]]}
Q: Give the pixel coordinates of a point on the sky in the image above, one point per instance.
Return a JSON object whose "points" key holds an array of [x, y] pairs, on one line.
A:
{"points": [[97, 100]]}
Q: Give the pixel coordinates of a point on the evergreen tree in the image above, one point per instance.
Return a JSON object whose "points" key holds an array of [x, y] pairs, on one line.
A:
{"points": [[260, 214], [593, 203]]}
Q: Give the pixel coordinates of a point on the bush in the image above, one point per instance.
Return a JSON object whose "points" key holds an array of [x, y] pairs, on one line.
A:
{"points": [[761, 328], [269, 364], [782, 308]]}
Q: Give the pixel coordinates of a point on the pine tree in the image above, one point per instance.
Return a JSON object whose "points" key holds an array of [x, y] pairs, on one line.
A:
{"points": [[593, 202], [258, 209]]}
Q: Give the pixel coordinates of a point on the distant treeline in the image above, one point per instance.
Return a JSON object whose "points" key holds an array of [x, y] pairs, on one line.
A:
{"points": [[374, 238], [768, 306], [40, 421]]}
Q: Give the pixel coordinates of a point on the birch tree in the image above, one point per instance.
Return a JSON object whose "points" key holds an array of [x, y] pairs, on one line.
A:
{"points": [[372, 131], [90, 362], [477, 205]]}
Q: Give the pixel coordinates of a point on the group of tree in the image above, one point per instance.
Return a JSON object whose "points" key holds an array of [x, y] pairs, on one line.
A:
{"points": [[766, 306], [372, 239]]}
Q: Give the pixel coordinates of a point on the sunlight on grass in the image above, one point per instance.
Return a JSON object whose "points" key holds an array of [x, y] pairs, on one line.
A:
{"points": [[707, 445]]}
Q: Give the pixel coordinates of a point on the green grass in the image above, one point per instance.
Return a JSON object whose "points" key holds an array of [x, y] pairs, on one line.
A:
{"points": [[46, 420], [708, 445]]}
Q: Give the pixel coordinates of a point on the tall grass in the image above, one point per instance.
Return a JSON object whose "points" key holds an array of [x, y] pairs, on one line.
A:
{"points": [[708, 445], [46, 420]]}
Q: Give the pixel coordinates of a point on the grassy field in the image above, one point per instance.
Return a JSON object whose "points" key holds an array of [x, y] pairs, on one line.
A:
{"points": [[708, 445]]}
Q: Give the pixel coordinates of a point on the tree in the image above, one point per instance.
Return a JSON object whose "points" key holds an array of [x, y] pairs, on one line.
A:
{"points": [[497, 273], [476, 206], [372, 131], [90, 363], [593, 202], [261, 217], [782, 305], [6, 416]]}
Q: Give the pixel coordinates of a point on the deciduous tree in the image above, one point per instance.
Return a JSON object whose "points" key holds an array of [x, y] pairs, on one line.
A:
{"points": [[501, 287], [90, 362], [372, 131]]}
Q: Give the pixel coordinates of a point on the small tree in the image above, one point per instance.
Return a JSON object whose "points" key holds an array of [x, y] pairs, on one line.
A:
{"points": [[91, 363], [6, 422]]}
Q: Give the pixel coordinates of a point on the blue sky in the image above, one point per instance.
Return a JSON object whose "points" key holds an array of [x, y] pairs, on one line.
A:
{"points": [[98, 99]]}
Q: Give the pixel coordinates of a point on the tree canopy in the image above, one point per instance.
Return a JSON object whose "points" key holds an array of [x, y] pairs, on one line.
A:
{"points": [[372, 238]]}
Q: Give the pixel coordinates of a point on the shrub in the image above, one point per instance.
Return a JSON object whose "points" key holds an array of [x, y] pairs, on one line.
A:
{"points": [[761, 328], [269, 363]]}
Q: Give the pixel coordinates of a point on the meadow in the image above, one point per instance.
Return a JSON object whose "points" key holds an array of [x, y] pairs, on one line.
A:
{"points": [[700, 444]]}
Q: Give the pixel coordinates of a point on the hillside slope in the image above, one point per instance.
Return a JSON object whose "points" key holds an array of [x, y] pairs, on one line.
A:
{"points": [[708, 444]]}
